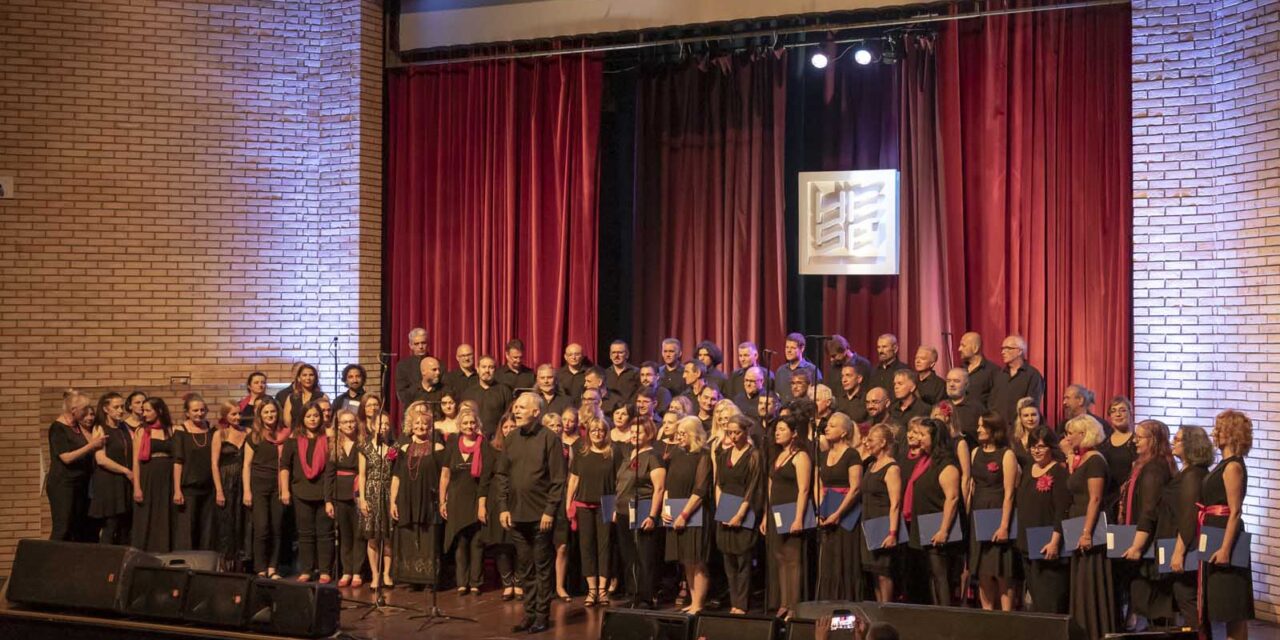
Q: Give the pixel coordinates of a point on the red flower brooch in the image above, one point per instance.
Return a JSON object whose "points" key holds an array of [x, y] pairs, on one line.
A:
{"points": [[993, 467], [1044, 484], [392, 454]]}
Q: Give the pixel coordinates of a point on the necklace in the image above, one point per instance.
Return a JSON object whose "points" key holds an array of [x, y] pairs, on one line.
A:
{"points": [[416, 453], [196, 440]]}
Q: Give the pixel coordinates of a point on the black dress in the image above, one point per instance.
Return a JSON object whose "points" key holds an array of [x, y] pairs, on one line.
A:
{"points": [[463, 497], [417, 531], [1228, 590], [1119, 464], [876, 503], [940, 560], [113, 492], [195, 516], [840, 550], [234, 537], [1179, 518], [1150, 594], [688, 475], [67, 485], [154, 520], [1044, 502], [1092, 592], [989, 559]]}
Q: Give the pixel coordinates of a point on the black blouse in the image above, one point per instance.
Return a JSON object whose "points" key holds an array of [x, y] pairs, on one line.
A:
{"points": [[596, 472], [346, 469], [1149, 488], [300, 486], [636, 483], [1094, 467], [1178, 514], [745, 478], [688, 473], [65, 439], [1043, 501], [191, 450]]}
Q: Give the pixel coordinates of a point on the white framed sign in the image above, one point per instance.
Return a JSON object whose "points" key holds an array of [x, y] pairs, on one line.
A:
{"points": [[849, 222]]}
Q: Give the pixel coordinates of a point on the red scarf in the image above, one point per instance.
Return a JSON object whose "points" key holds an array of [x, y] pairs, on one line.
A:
{"points": [[908, 497], [144, 447], [1077, 458], [319, 454], [476, 462]]}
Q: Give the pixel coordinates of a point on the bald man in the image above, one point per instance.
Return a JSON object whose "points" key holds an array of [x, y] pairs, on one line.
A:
{"points": [[573, 372], [430, 388], [982, 372], [887, 363], [464, 376]]}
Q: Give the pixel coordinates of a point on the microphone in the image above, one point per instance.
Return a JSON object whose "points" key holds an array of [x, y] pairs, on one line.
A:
{"points": [[384, 353], [770, 352]]}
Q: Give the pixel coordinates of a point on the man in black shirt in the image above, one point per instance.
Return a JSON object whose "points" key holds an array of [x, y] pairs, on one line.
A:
{"points": [[982, 372], [621, 378], [931, 388], [800, 383], [355, 376], [748, 356], [594, 381], [649, 380], [877, 406], [906, 403], [966, 409], [838, 355], [1016, 381], [707, 400], [465, 376], [671, 376], [408, 374], [555, 400], [748, 399], [573, 372], [850, 399], [694, 379], [513, 373], [531, 479], [889, 364], [794, 353], [1077, 400], [711, 356], [430, 389], [490, 395]]}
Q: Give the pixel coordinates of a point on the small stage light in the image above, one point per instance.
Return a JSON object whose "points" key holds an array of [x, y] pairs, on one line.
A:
{"points": [[819, 60], [862, 56]]}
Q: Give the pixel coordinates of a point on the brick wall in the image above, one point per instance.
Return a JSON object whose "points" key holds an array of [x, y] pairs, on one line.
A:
{"points": [[1206, 100], [198, 195]]}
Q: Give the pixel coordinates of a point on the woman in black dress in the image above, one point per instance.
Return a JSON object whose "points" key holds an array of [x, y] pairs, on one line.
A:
{"points": [[133, 411], [71, 452], [305, 389], [1179, 517], [233, 538], [641, 476], [995, 482], [306, 477], [377, 457], [415, 505], [740, 473], [154, 519], [1228, 590], [193, 497], [468, 454], [1120, 450], [112, 483], [790, 477], [1150, 595], [346, 514], [839, 482], [261, 475], [1092, 592], [592, 474], [497, 540], [933, 487], [689, 478], [1044, 499], [882, 485]]}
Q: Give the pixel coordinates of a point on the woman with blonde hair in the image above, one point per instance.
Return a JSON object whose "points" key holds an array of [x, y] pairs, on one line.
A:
{"points": [[71, 452], [840, 483], [1092, 599], [230, 520], [343, 490], [689, 479]]}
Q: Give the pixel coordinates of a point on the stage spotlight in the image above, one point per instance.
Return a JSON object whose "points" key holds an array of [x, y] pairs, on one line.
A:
{"points": [[890, 54], [819, 60], [862, 56]]}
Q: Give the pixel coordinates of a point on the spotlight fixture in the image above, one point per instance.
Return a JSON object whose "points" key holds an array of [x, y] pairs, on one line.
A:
{"points": [[890, 54], [862, 55], [819, 60]]}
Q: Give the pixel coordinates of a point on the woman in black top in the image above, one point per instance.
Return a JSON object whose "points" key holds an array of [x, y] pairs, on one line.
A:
{"points": [[261, 476], [71, 452], [1179, 517], [740, 473], [839, 482], [790, 477], [305, 389], [1120, 451], [689, 478], [1228, 590], [154, 521], [1149, 594], [232, 536], [994, 483], [133, 411], [641, 476], [193, 495], [468, 453], [933, 487], [415, 505], [113, 476], [1043, 501], [306, 478], [346, 515], [1092, 593], [592, 474], [882, 484], [497, 540]]}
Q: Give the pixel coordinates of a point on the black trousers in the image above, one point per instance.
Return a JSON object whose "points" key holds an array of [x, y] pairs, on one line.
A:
{"points": [[117, 529], [468, 557], [504, 560], [268, 526], [351, 545], [194, 522], [737, 571], [930, 575], [593, 544], [535, 564], [315, 529], [640, 557], [69, 510]]}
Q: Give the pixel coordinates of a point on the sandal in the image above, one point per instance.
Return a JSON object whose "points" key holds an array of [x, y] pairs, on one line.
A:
{"points": [[462, 591], [305, 577], [344, 581], [357, 581], [325, 578], [475, 591]]}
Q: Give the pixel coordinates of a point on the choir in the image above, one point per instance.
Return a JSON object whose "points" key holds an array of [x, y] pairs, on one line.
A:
{"points": [[674, 479]]}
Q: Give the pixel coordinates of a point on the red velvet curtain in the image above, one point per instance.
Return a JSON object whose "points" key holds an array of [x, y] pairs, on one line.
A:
{"points": [[1034, 124], [709, 228], [491, 214]]}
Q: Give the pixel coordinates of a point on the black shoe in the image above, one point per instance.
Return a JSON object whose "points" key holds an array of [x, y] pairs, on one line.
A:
{"points": [[526, 624], [539, 626]]}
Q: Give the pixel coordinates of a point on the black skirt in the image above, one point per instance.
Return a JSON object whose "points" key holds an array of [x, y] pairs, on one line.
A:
{"points": [[840, 563], [154, 519], [690, 546], [1093, 598]]}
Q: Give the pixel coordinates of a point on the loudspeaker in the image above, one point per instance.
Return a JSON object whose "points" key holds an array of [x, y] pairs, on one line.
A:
{"points": [[1175, 633], [218, 599], [638, 624], [194, 560], [799, 629], [74, 575], [291, 609], [727, 627], [953, 623], [157, 592]]}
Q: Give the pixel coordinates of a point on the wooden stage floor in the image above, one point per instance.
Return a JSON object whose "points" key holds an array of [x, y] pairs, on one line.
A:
{"points": [[569, 620]]}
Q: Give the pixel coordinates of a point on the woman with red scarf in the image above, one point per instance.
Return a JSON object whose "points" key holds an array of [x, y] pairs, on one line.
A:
{"points": [[1149, 595], [306, 482], [1092, 601], [933, 487], [467, 457], [262, 479], [154, 519]]}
